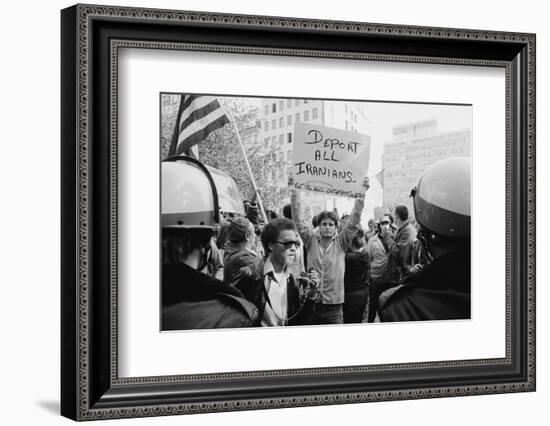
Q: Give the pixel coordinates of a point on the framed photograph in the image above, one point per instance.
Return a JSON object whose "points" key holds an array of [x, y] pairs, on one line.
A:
{"points": [[263, 212]]}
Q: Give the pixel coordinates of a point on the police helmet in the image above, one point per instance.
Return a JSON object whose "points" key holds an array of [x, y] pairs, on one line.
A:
{"points": [[189, 196], [442, 198]]}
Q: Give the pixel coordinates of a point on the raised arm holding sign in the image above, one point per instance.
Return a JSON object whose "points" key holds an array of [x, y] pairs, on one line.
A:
{"points": [[326, 249]]}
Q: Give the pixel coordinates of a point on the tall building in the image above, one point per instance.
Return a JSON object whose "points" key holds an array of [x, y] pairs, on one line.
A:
{"points": [[277, 118], [414, 147]]}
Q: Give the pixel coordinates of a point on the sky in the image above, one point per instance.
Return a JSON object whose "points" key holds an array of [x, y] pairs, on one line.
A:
{"points": [[383, 117]]}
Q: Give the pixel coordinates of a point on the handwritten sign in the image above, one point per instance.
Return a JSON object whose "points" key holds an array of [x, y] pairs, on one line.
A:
{"points": [[329, 160]]}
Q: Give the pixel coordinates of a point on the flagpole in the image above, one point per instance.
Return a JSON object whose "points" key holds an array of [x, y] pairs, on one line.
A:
{"points": [[254, 186]]}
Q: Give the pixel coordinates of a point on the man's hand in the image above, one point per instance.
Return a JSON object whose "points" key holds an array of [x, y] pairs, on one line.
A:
{"points": [[290, 180], [312, 290], [415, 269], [366, 184], [314, 276], [385, 230]]}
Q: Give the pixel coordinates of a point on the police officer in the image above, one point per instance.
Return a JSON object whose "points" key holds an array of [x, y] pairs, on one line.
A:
{"points": [[441, 289], [191, 299]]}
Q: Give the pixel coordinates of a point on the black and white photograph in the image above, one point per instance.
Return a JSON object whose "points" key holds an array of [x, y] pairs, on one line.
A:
{"points": [[279, 211], [277, 207]]}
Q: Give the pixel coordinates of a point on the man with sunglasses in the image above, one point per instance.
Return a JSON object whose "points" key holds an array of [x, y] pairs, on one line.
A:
{"points": [[326, 253], [281, 298]]}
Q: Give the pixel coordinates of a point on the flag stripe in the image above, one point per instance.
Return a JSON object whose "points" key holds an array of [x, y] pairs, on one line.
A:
{"points": [[198, 116], [200, 124], [197, 112], [187, 100], [200, 134], [193, 103]]}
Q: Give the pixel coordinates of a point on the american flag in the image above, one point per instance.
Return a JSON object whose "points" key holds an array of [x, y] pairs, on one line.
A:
{"points": [[198, 116]]}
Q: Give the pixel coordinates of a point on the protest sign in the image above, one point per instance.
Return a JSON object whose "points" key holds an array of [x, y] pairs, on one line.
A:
{"points": [[329, 160]]}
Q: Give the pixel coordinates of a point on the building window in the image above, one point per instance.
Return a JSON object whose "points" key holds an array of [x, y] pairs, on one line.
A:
{"points": [[281, 139], [273, 156], [266, 126], [273, 141], [289, 103], [314, 114], [297, 117], [281, 105], [289, 120], [273, 107], [273, 124], [346, 124], [306, 115], [288, 153], [346, 108], [281, 122], [297, 102], [289, 137], [305, 101], [274, 174], [266, 110], [266, 142]]}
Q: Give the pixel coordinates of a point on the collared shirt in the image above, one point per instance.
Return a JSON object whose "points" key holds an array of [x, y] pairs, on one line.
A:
{"points": [[276, 307], [330, 263]]}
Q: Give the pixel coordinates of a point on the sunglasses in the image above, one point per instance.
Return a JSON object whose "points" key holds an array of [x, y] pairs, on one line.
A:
{"points": [[288, 244]]}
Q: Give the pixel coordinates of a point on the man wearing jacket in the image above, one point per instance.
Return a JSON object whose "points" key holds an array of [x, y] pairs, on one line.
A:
{"points": [[239, 250], [272, 287], [398, 245], [378, 258]]}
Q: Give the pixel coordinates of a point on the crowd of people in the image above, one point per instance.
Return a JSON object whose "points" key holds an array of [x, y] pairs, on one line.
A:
{"points": [[244, 272]]}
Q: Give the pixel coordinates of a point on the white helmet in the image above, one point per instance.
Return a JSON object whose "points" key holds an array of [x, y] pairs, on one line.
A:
{"points": [[442, 199], [189, 198]]}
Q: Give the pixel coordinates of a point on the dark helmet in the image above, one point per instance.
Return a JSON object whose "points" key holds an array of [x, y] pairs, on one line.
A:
{"points": [[442, 198]]}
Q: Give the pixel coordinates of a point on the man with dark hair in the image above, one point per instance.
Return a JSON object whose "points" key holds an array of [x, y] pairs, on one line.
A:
{"points": [[343, 220], [398, 245], [326, 251], [240, 249], [272, 287], [378, 262], [401, 213], [371, 231]]}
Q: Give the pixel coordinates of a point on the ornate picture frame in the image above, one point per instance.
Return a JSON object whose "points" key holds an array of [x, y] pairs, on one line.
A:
{"points": [[91, 39]]}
